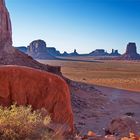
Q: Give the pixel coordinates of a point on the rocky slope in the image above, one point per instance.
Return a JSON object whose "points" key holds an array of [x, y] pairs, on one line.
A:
{"points": [[105, 111]]}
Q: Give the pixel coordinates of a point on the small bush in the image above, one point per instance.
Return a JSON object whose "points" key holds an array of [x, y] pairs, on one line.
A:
{"points": [[132, 136], [21, 123]]}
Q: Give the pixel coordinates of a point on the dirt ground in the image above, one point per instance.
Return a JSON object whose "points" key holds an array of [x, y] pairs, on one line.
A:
{"points": [[95, 106]]}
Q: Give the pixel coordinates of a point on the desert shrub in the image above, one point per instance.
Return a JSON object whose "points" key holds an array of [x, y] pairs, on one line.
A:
{"points": [[21, 123], [132, 136]]}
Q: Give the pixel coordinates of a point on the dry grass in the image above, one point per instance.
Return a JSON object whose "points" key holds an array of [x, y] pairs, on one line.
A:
{"points": [[21, 123], [118, 74]]}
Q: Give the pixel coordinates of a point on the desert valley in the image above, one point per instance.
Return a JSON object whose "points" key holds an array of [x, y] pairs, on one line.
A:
{"points": [[110, 73], [104, 90], [49, 95]]}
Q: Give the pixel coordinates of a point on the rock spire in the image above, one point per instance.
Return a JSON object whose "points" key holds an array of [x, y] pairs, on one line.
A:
{"points": [[5, 27]]}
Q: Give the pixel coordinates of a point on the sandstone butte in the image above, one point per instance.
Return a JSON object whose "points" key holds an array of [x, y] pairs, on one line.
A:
{"points": [[131, 52], [27, 85]]}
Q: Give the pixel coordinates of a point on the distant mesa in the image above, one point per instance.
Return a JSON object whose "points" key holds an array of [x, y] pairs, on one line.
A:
{"points": [[114, 53], [131, 52], [64, 54], [53, 51], [39, 50], [98, 52], [74, 53], [102, 52]]}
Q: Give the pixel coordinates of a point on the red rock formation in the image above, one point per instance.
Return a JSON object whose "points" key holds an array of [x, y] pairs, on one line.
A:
{"points": [[5, 26], [25, 86]]}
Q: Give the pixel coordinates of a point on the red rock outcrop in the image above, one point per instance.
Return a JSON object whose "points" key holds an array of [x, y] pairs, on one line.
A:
{"points": [[5, 26], [40, 89]]}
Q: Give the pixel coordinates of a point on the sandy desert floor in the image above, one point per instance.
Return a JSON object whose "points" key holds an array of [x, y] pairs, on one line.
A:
{"points": [[117, 74], [105, 90]]}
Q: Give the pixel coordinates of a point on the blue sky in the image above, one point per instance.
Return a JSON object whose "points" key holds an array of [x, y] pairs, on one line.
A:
{"points": [[84, 25]]}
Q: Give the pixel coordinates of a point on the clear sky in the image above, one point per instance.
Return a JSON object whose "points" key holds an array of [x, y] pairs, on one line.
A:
{"points": [[84, 25]]}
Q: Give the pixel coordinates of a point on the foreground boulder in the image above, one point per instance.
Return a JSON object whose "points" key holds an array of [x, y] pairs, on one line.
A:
{"points": [[27, 86], [121, 127]]}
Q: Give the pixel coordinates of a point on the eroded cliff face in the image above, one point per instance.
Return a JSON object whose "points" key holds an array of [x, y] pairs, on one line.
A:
{"points": [[5, 27]]}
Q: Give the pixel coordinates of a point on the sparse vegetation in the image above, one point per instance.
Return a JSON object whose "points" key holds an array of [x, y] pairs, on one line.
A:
{"points": [[117, 74], [131, 136], [20, 123]]}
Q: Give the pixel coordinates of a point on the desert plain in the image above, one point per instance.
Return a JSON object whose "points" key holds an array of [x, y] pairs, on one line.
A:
{"points": [[110, 73], [105, 90]]}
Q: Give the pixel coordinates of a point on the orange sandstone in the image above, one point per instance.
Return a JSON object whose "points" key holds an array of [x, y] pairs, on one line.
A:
{"points": [[28, 86]]}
